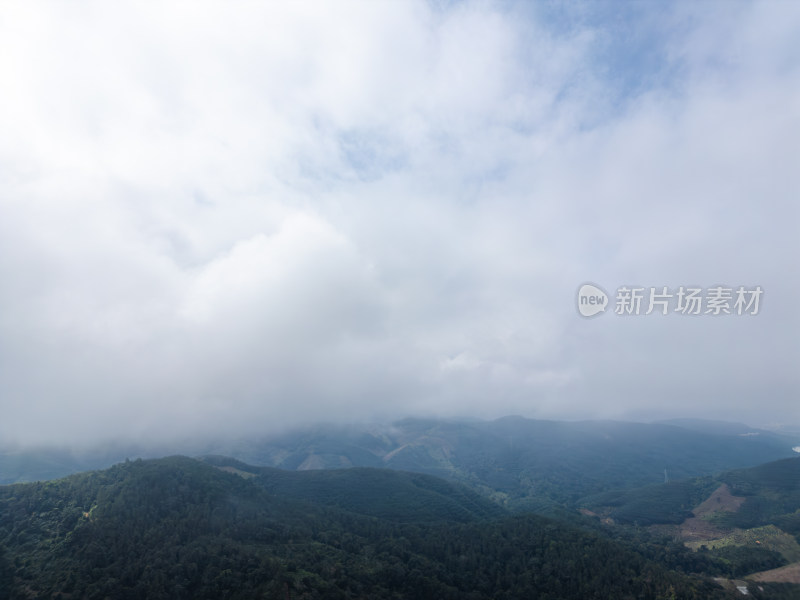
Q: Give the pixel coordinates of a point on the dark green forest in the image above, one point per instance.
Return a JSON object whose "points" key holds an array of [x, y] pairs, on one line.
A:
{"points": [[183, 528], [771, 492]]}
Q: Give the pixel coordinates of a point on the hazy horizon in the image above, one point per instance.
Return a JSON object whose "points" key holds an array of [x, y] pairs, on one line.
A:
{"points": [[229, 219], [233, 443]]}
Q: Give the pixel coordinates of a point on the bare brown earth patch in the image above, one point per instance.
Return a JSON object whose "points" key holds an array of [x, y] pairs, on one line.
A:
{"points": [[720, 500], [698, 527], [787, 574]]}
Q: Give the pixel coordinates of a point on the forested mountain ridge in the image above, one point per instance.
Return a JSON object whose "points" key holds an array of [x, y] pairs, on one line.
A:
{"points": [[770, 494], [526, 462], [181, 528], [394, 495], [523, 463]]}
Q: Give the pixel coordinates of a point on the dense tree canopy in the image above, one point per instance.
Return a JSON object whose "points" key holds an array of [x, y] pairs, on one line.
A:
{"points": [[179, 528]]}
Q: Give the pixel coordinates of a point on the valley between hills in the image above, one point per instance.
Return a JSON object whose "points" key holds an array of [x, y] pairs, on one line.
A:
{"points": [[513, 508]]}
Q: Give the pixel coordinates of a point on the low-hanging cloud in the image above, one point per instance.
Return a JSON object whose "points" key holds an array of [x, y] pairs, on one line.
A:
{"points": [[241, 218]]}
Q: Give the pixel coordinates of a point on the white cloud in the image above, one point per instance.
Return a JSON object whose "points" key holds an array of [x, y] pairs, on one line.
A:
{"points": [[218, 217]]}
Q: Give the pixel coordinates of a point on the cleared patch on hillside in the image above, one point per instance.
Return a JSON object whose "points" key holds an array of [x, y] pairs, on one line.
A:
{"points": [[698, 530], [720, 500], [787, 574], [733, 585]]}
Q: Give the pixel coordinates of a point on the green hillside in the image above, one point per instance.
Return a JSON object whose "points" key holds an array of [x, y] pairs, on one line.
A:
{"points": [[771, 492], [393, 495], [181, 528], [773, 495], [748, 520], [666, 503], [527, 464]]}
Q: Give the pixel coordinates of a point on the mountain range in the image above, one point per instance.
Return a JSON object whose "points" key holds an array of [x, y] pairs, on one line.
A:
{"points": [[511, 508], [520, 462]]}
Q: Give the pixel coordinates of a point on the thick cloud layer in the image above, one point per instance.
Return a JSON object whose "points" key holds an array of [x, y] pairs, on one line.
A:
{"points": [[220, 218]]}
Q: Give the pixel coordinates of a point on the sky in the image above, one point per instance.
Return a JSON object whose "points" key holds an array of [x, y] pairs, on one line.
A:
{"points": [[235, 218]]}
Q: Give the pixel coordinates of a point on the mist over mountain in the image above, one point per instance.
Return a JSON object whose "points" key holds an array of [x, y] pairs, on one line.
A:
{"points": [[518, 461], [314, 504]]}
